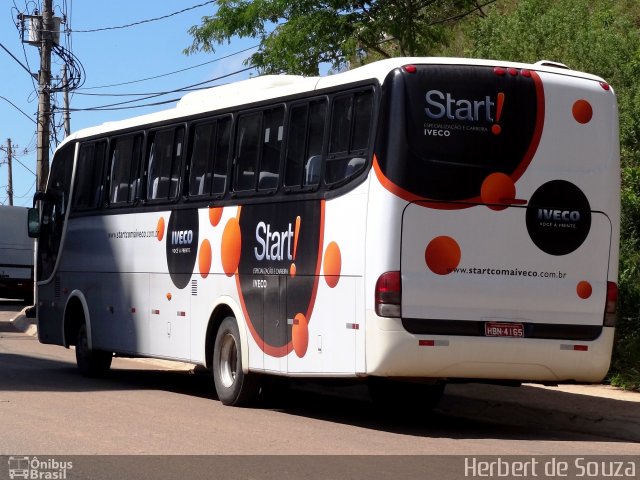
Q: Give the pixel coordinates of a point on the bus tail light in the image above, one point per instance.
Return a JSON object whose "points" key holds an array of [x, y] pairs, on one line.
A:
{"points": [[388, 294], [610, 307]]}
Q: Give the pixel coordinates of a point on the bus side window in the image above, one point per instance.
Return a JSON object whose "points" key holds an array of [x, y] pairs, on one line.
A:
{"points": [[165, 163], [88, 191], [247, 149], [221, 162], [124, 170], [200, 168], [304, 144], [134, 178], [350, 133], [119, 171], [273, 131], [209, 158]]}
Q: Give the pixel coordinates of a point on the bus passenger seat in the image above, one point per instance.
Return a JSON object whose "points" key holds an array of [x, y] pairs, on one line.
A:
{"points": [[354, 166], [121, 193], [268, 181], [312, 170]]}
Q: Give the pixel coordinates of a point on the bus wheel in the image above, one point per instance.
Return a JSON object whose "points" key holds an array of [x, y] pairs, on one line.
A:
{"points": [[405, 396], [91, 363], [232, 385]]}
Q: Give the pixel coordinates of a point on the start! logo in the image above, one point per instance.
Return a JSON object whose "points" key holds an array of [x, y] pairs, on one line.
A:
{"points": [[274, 245], [441, 105], [444, 106]]}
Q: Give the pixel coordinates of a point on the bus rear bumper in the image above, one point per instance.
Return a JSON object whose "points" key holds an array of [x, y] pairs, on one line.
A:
{"points": [[394, 352]]}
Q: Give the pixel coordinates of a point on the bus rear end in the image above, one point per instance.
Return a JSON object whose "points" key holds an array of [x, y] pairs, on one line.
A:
{"points": [[500, 188]]}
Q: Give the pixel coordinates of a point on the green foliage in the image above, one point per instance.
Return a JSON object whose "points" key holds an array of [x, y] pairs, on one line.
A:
{"points": [[296, 36], [600, 37]]}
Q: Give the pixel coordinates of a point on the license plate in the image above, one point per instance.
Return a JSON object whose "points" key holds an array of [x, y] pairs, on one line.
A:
{"points": [[496, 329]]}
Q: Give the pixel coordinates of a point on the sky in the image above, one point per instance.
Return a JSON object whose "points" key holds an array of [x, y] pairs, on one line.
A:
{"points": [[109, 57]]}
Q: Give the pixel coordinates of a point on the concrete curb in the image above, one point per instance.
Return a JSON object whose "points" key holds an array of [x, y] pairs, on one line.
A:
{"points": [[26, 325]]}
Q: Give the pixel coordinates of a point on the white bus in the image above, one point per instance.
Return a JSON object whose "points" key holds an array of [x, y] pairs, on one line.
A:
{"points": [[410, 222], [16, 255]]}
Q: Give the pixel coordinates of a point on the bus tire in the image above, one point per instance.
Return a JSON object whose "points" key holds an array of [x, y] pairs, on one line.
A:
{"points": [[91, 363], [404, 396], [232, 385]]}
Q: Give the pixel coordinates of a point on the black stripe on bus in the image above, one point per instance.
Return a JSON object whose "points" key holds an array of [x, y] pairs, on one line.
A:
{"points": [[471, 328]]}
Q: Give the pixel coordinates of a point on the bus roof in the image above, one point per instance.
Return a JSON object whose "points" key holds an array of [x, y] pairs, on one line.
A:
{"points": [[267, 87]]}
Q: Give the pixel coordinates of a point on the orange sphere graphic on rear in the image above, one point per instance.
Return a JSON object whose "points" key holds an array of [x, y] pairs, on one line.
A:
{"points": [[231, 247], [332, 264], [300, 334], [442, 255], [160, 229], [204, 259], [497, 189], [215, 214], [584, 290], [582, 111]]}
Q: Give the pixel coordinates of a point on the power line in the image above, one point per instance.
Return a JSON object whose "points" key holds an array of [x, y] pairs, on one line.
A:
{"points": [[34, 173], [17, 108], [16, 59], [164, 74], [27, 192], [188, 88], [144, 21]]}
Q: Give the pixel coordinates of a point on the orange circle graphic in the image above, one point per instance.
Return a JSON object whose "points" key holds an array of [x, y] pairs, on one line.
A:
{"points": [[582, 111], [332, 264], [293, 270], [160, 229], [584, 289], [497, 188], [300, 335], [231, 247], [215, 214], [442, 255], [204, 259]]}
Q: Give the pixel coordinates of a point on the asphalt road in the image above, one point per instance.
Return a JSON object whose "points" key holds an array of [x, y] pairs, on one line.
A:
{"points": [[144, 407]]}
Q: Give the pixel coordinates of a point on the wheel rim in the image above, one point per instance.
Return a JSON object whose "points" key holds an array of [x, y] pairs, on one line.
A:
{"points": [[228, 360], [83, 344]]}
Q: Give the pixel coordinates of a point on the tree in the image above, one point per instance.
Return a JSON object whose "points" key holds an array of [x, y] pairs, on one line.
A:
{"points": [[600, 37], [296, 36]]}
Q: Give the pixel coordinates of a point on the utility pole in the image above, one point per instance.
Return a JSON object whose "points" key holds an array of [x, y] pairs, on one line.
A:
{"points": [[9, 150], [10, 178], [44, 102], [65, 96]]}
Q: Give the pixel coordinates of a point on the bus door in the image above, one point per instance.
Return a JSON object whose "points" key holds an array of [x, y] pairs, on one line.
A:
{"points": [[54, 206]]}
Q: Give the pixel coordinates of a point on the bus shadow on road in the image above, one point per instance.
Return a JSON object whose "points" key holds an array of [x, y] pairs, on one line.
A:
{"points": [[465, 417], [457, 416], [465, 412]]}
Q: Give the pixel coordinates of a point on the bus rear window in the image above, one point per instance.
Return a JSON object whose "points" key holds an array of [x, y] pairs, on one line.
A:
{"points": [[448, 127]]}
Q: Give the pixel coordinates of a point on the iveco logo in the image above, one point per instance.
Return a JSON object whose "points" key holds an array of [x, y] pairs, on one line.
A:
{"points": [[558, 215], [182, 237]]}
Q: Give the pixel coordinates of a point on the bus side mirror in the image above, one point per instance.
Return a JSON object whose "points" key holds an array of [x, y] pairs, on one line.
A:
{"points": [[33, 222]]}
